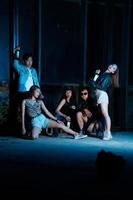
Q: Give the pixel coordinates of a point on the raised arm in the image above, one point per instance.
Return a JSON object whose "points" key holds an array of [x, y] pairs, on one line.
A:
{"points": [[16, 63], [97, 72]]}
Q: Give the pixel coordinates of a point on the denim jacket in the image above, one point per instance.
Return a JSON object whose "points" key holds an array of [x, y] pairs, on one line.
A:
{"points": [[23, 73]]}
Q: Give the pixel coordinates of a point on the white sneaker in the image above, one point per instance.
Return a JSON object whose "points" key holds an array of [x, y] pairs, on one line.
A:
{"points": [[107, 135], [76, 137]]}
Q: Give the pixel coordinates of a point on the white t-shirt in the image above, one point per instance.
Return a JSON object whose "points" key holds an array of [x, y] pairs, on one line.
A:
{"points": [[29, 81], [102, 97]]}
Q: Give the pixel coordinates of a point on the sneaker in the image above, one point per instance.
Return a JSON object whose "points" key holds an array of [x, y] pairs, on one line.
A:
{"points": [[81, 132], [76, 137], [93, 134], [107, 135]]}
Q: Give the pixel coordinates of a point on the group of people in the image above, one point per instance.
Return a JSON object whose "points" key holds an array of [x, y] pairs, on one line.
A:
{"points": [[90, 112]]}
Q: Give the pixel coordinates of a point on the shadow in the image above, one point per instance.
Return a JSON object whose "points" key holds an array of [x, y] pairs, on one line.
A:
{"points": [[109, 167]]}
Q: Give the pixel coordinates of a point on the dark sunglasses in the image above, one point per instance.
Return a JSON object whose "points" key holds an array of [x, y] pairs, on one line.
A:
{"points": [[83, 93]]}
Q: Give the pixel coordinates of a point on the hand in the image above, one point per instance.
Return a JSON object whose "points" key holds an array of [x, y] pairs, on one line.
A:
{"points": [[41, 97], [68, 119], [73, 107], [98, 71], [17, 49], [60, 122]]}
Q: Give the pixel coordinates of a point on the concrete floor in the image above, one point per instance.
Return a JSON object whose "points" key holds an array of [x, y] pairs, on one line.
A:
{"points": [[67, 168]]}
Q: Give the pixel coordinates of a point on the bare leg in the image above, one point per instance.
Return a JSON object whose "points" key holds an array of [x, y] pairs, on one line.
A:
{"points": [[35, 132], [90, 127], [104, 110], [54, 124], [80, 120]]}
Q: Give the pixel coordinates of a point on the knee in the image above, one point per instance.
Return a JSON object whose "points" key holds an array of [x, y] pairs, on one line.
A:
{"points": [[105, 114], [79, 115]]}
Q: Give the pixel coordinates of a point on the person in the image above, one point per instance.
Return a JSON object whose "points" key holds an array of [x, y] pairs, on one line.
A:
{"points": [[107, 80], [32, 113], [66, 109], [27, 75], [84, 110], [102, 102]]}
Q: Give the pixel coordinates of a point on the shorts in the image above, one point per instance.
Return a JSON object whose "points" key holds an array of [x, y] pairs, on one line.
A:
{"points": [[102, 97], [40, 121]]}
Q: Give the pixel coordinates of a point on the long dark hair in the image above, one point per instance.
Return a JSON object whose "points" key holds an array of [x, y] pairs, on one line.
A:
{"points": [[115, 77], [73, 97]]}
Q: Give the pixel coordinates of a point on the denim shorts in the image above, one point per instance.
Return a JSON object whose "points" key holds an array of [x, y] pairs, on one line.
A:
{"points": [[40, 121]]}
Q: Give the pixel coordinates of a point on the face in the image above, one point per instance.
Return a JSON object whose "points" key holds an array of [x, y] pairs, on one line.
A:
{"points": [[36, 93], [68, 93], [112, 68], [84, 94], [29, 62]]}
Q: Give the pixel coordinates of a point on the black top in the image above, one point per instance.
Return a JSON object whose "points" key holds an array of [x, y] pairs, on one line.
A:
{"points": [[69, 108], [105, 83]]}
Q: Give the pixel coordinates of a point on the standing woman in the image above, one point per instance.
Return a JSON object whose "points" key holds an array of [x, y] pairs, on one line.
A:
{"points": [[32, 111], [108, 80], [102, 102]]}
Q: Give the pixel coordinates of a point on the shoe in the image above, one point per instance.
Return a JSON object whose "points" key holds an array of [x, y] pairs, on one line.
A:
{"points": [[76, 137], [107, 135], [81, 132], [55, 133], [93, 134]]}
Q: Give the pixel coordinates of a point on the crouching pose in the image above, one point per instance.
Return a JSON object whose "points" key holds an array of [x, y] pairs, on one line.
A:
{"points": [[33, 118]]}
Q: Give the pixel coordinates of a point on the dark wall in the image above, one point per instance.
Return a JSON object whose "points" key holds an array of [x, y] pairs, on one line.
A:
{"points": [[59, 37], [4, 41], [61, 43]]}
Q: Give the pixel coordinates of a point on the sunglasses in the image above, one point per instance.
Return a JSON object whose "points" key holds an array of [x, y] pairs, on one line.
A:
{"points": [[83, 93]]}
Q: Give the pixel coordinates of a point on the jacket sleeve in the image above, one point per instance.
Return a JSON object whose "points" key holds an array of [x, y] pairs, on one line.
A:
{"points": [[104, 83], [17, 66]]}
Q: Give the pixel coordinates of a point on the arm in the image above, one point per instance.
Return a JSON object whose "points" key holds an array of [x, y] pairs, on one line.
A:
{"points": [[97, 72], [61, 104], [47, 112], [23, 118], [17, 66], [104, 83]]}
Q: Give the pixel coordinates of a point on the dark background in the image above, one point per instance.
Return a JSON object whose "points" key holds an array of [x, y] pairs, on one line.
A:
{"points": [[69, 40]]}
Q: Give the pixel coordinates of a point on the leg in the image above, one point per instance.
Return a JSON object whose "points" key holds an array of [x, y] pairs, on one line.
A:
{"points": [[62, 119], [90, 127], [35, 132], [81, 120], [54, 124], [104, 111]]}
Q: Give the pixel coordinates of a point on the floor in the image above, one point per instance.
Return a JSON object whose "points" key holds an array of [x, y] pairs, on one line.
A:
{"points": [[67, 168]]}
